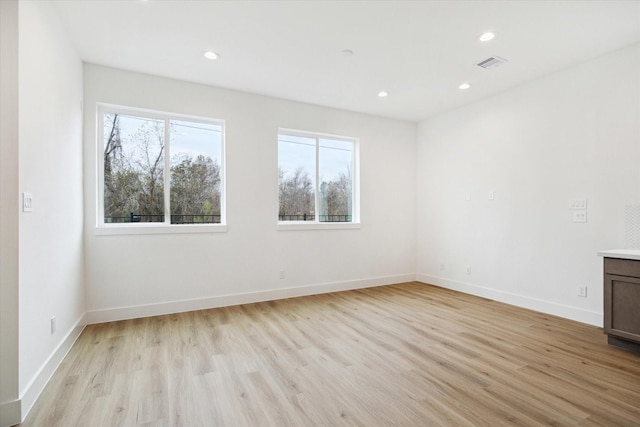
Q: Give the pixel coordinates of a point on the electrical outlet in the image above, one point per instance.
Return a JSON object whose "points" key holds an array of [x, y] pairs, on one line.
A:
{"points": [[282, 274], [53, 325], [468, 270], [492, 195], [582, 291]]}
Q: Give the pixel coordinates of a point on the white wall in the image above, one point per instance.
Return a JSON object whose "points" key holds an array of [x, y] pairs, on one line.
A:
{"points": [[205, 269], [51, 261], [573, 134], [9, 400]]}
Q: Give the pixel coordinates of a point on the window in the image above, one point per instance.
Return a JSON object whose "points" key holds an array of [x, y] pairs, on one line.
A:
{"points": [[159, 169], [317, 178]]}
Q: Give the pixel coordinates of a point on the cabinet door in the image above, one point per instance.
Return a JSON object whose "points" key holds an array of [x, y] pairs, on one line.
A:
{"points": [[622, 306]]}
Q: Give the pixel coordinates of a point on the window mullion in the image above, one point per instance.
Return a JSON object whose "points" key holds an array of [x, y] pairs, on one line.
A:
{"points": [[354, 205], [317, 206], [167, 172], [101, 174]]}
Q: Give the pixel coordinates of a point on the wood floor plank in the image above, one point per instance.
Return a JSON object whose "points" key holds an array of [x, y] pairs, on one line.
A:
{"points": [[406, 355]]}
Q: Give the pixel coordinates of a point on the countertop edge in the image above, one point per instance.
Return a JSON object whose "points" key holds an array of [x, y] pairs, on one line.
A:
{"points": [[621, 254]]}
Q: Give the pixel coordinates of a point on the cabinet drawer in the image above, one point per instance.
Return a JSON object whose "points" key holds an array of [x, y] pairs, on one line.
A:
{"points": [[622, 267]]}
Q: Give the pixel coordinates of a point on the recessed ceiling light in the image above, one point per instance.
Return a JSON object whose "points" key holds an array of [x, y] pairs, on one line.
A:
{"points": [[464, 86], [211, 55], [347, 52], [486, 37], [383, 93]]}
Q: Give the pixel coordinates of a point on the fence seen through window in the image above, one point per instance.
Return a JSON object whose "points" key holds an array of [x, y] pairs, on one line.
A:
{"points": [[161, 169], [316, 177]]}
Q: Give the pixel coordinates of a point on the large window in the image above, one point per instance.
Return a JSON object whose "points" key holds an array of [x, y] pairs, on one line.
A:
{"points": [[159, 168], [317, 178]]}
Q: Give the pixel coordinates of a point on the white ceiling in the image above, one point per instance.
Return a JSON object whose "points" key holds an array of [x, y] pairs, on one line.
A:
{"points": [[418, 51]]}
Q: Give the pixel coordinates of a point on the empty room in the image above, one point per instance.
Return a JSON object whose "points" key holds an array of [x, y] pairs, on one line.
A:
{"points": [[319, 213]]}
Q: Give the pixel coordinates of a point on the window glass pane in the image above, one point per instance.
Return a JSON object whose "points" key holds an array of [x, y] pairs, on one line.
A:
{"points": [[336, 181], [196, 158], [296, 171], [133, 169]]}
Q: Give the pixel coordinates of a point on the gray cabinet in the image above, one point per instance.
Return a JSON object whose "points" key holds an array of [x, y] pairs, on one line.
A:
{"points": [[622, 303]]}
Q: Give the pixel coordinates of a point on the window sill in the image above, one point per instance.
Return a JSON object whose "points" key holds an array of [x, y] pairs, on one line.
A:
{"points": [[106, 230], [300, 225]]}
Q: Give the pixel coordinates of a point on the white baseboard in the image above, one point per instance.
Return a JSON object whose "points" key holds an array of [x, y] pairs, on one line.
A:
{"points": [[10, 413], [132, 312], [568, 312], [47, 370]]}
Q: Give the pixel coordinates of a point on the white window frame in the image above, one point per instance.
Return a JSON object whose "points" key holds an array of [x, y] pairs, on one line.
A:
{"points": [[165, 227], [316, 224]]}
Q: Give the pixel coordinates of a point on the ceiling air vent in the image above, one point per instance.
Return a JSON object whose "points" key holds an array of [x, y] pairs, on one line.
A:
{"points": [[492, 62]]}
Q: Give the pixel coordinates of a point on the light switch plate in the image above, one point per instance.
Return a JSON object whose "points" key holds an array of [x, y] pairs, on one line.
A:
{"points": [[27, 202], [578, 204], [580, 216]]}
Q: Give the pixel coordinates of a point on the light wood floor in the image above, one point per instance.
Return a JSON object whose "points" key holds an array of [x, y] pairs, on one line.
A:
{"points": [[408, 355]]}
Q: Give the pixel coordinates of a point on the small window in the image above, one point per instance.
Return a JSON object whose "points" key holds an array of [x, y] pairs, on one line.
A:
{"points": [[159, 169], [317, 178]]}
